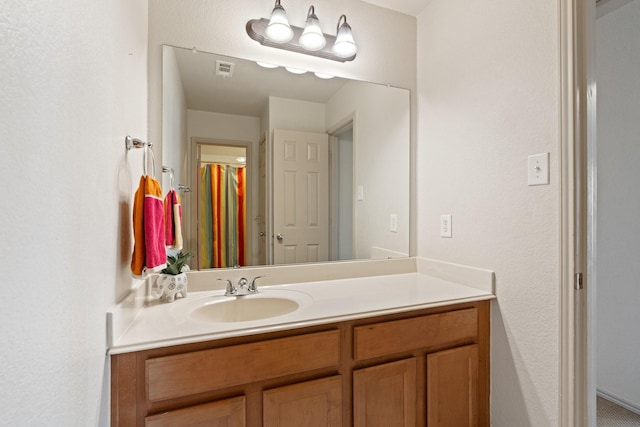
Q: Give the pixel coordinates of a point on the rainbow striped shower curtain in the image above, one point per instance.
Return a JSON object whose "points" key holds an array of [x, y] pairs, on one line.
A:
{"points": [[222, 234]]}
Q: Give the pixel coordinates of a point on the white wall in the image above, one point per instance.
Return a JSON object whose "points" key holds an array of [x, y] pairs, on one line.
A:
{"points": [[293, 114], [618, 206], [488, 96], [381, 118], [174, 120], [73, 85]]}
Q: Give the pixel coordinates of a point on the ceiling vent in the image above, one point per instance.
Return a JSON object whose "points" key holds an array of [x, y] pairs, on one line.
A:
{"points": [[224, 68]]}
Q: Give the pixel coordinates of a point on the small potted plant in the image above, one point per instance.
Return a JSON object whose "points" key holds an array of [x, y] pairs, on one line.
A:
{"points": [[173, 280]]}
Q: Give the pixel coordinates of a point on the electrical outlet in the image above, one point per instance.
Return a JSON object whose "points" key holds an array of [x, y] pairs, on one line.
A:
{"points": [[445, 225]]}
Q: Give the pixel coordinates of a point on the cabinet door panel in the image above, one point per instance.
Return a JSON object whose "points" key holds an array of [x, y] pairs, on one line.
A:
{"points": [[385, 395], [452, 387], [310, 404], [224, 413]]}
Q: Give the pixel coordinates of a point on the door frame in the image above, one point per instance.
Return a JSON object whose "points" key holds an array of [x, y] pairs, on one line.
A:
{"points": [[334, 132], [194, 183], [577, 193]]}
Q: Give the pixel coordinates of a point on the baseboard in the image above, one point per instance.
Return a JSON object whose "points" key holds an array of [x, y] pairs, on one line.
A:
{"points": [[620, 402]]}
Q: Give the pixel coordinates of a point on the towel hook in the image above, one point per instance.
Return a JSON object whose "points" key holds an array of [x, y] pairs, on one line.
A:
{"points": [[166, 169], [130, 142]]}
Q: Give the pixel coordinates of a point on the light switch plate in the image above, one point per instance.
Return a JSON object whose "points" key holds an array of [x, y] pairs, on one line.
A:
{"points": [[360, 192], [445, 225], [393, 223], [538, 169]]}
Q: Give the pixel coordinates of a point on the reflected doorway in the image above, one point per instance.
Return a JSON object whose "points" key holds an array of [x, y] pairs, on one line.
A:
{"points": [[222, 205]]}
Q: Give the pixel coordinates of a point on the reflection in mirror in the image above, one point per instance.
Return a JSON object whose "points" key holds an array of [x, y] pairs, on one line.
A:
{"points": [[285, 168]]}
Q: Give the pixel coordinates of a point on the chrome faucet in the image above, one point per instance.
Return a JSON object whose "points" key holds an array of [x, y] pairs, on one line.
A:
{"points": [[244, 287]]}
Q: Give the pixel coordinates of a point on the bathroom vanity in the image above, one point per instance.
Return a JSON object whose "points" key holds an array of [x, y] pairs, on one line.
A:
{"points": [[338, 361]]}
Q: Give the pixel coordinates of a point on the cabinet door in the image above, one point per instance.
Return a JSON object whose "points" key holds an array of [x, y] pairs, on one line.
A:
{"points": [[385, 395], [224, 413], [315, 403], [452, 387]]}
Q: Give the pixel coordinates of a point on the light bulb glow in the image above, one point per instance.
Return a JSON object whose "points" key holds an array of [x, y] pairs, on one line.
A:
{"points": [[324, 76], [278, 29], [312, 37], [345, 46], [295, 70], [266, 64]]}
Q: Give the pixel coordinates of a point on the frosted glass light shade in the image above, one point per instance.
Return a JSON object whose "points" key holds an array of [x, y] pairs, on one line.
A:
{"points": [[278, 30], [312, 37], [324, 76], [344, 46], [266, 64], [295, 70]]}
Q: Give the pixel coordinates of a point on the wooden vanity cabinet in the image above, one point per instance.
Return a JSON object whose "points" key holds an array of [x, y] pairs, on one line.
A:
{"points": [[421, 368], [310, 404], [385, 395], [224, 413], [452, 387]]}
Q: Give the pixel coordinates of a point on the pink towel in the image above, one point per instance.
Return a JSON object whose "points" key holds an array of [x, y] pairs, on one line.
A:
{"points": [[149, 254], [173, 220], [156, 254]]}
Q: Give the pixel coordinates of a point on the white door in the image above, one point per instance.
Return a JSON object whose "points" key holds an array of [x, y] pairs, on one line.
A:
{"points": [[300, 196]]}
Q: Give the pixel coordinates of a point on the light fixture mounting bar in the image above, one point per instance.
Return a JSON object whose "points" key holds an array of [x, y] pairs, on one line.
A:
{"points": [[256, 30]]}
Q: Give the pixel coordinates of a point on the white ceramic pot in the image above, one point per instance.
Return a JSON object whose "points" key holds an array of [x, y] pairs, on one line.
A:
{"points": [[167, 286]]}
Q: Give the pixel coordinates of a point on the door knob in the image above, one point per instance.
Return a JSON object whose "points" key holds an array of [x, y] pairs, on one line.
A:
{"points": [[280, 237], [262, 234]]}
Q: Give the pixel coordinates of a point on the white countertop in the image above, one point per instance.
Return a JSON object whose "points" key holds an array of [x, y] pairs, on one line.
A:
{"points": [[328, 301]]}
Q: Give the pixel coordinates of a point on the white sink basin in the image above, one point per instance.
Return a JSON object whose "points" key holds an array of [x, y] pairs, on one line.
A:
{"points": [[263, 305]]}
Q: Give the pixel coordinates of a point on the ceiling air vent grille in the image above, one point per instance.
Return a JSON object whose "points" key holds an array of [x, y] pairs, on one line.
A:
{"points": [[224, 68]]}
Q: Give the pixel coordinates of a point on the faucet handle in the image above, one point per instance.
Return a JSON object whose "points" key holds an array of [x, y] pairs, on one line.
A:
{"points": [[252, 286], [231, 290]]}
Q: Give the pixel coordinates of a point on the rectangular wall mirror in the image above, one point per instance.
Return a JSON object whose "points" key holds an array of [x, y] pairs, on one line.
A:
{"points": [[283, 167]]}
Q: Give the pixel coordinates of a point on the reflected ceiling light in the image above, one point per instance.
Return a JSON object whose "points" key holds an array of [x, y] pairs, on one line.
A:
{"points": [[324, 76], [344, 46], [276, 32], [295, 70], [312, 37], [266, 64]]}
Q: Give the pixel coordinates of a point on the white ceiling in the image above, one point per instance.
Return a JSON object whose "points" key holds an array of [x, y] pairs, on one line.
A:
{"points": [[409, 7], [246, 92]]}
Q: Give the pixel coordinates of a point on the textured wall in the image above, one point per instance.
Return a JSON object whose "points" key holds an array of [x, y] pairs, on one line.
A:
{"points": [[618, 228], [488, 96], [73, 85]]}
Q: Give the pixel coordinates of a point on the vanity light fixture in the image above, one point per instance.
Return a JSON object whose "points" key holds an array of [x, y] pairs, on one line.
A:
{"points": [[312, 37], [310, 40], [278, 30], [344, 46]]}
